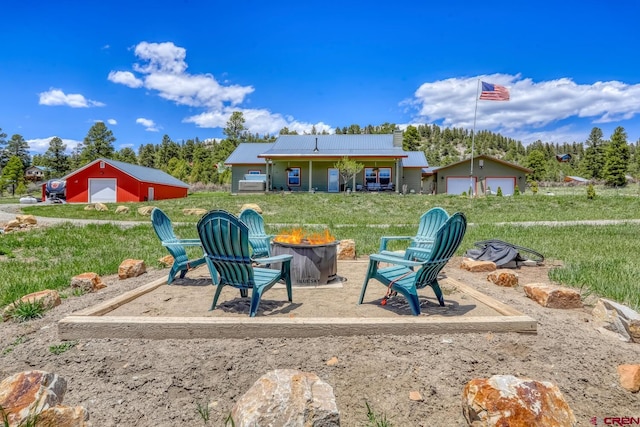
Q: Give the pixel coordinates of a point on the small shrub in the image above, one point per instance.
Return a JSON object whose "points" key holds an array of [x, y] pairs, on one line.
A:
{"points": [[591, 192], [374, 420], [516, 191], [203, 411], [14, 344], [27, 310], [499, 192], [61, 348], [534, 187]]}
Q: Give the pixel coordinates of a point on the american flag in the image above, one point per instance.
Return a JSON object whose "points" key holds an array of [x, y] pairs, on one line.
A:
{"points": [[491, 92]]}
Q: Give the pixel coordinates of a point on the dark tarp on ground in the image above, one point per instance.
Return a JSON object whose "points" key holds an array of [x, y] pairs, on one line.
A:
{"points": [[503, 254]]}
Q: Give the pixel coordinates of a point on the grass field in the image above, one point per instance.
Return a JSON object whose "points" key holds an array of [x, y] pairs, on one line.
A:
{"points": [[597, 259]]}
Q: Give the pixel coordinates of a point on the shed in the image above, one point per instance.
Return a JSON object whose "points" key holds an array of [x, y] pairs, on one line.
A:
{"points": [[111, 181]]}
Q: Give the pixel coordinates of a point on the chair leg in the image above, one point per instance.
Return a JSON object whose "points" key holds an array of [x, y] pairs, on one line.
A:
{"points": [[411, 295], [371, 270], [216, 296], [286, 275], [172, 274], [244, 293], [256, 294], [436, 289], [183, 273]]}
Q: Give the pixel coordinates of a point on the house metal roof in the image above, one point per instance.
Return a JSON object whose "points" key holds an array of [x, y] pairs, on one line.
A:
{"points": [[379, 145], [141, 173], [415, 159], [247, 153]]}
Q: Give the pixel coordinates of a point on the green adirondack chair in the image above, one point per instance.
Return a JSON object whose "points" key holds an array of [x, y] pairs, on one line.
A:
{"points": [[260, 241], [176, 247], [400, 276], [430, 222], [225, 240]]}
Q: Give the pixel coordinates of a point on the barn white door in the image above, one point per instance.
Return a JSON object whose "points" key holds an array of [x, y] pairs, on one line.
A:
{"points": [[459, 185], [102, 190], [507, 185]]}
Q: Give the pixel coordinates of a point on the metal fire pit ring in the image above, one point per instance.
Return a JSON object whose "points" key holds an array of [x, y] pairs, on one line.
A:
{"points": [[312, 264]]}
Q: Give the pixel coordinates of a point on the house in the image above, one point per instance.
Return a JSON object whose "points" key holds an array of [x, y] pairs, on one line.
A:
{"points": [[576, 180], [106, 180], [35, 173], [485, 176], [306, 163]]}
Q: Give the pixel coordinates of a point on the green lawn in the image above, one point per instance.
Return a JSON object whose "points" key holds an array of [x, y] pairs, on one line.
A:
{"points": [[597, 259]]}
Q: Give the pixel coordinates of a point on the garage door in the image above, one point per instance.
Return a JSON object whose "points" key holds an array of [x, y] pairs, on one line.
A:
{"points": [[459, 185], [507, 185], [102, 190]]}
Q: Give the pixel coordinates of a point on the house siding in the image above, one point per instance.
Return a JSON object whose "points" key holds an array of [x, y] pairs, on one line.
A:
{"points": [[412, 178]]}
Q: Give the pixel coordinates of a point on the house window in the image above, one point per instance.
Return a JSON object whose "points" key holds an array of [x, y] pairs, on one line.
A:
{"points": [[101, 165], [255, 172], [384, 176], [381, 176], [293, 177]]}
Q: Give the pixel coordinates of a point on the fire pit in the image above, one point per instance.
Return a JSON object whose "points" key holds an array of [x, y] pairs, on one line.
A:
{"points": [[315, 256]]}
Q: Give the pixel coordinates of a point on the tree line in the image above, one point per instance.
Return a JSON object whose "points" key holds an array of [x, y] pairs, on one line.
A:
{"points": [[197, 161]]}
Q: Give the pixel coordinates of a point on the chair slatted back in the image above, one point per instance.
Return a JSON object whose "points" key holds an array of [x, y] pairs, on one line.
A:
{"points": [[447, 240], [430, 223], [225, 240], [257, 234], [164, 230]]}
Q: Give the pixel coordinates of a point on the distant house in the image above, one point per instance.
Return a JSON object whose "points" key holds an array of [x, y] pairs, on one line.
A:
{"points": [[35, 173], [306, 163], [106, 180], [576, 180], [489, 174]]}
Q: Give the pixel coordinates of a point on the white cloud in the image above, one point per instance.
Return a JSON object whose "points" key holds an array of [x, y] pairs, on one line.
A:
{"points": [[126, 78], [149, 124], [54, 97], [260, 121], [532, 108], [112, 122], [40, 145]]}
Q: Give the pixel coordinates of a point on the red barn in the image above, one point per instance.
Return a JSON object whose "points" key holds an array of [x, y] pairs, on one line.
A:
{"points": [[106, 180]]}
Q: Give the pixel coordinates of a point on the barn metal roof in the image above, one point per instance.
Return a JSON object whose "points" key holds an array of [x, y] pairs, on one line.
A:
{"points": [[141, 173]]}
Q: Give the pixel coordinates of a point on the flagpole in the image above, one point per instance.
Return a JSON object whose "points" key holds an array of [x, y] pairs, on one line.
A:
{"points": [[473, 140]]}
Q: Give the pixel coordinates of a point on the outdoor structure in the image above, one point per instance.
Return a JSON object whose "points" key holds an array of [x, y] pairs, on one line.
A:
{"points": [[110, 181], [487, 174], [306, 163], [35, 173]]}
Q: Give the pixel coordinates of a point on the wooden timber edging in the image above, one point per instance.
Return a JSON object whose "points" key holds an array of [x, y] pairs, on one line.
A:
{"points": [[94, 322]]}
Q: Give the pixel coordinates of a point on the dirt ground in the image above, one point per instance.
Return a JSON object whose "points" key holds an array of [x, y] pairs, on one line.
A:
{"points": [[136, 382]]}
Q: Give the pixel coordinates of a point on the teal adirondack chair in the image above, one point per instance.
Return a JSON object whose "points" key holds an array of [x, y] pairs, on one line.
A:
{"points": [[400, 276], [176, 247], [430, 222], [225, 240], [260, 241]]}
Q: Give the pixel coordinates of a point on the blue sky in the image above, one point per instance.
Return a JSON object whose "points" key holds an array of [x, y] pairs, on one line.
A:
{"points": [[181, 68]]}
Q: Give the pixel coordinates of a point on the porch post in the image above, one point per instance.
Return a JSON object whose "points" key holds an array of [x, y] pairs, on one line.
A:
{"points": [[398, 161], [310, 176]]}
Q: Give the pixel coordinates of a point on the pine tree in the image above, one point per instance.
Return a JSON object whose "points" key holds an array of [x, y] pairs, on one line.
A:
{"points": [[4, 157], [411, 139], [616, 159], [97, 144], [56, 159], [594, 155], [13, 173], [18, 147]]}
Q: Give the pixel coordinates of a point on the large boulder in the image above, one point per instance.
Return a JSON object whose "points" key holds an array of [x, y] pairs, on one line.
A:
{"points": [[477, 266], [146, 210], [553, 296], [26, 394], [251, 206], [618, 318], [505, 400], [347, 249], [131, 268], [194, 211], [287, 397], [87, 282], [629, 377], [503, 277]]}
